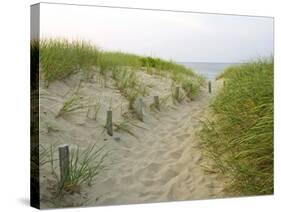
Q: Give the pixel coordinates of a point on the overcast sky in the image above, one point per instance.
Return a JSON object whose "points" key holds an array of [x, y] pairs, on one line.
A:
{"points": [[182, 37]]}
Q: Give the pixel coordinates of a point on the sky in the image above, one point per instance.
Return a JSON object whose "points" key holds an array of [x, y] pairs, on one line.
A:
{"points": [[179, 36]]}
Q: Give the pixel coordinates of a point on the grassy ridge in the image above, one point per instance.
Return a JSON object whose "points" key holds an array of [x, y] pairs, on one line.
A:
{"points": [[60, 58], [240, 136]]}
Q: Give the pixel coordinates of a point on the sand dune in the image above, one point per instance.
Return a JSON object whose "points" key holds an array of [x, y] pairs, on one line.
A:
{"points": [[160, 162]]}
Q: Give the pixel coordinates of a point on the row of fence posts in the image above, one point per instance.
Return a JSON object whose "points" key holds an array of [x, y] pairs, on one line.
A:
{"points": [[64, 156], [139, 108]]}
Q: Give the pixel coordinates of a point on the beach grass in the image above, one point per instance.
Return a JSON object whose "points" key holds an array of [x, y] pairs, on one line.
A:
{"points": [[127, 82], [84, 165], [192, 85], [59, 58], [70, 105], [95, 104], [124, 126], [160, 65], [51, 127], [239, 137]]}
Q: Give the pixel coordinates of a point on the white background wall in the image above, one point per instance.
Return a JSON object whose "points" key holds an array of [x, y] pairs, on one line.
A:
{"points": [[14, 105]]}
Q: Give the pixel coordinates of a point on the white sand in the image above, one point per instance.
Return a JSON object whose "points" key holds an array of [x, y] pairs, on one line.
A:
{"points": [[162, 162]]}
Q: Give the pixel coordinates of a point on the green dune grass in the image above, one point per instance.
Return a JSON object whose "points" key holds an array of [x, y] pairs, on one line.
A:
{"points": [[59, 58], [239, 138]]}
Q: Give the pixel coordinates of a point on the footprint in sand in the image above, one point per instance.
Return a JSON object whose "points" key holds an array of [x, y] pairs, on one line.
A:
{"points": [[163, 134], [160, 153], [197, 158], [177, 191], [175, 132], [127, 180], [152, 169], [195, 126], [200, 180], [148, 171], [179, 166], [176, 154], [183, 136], [148, 183], [150, 195], [109, 200], [106, 186], [168, 175]]}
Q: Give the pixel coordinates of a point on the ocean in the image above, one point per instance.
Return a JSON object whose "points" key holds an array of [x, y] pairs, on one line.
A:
{"points": [[209, 70]]}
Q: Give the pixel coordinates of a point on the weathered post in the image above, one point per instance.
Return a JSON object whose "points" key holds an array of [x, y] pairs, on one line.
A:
{"points": [[109, 123], [139, 110], [64, 163], [156, 102], [177, 93], [90, 112], [223, 83], [210, 87]]}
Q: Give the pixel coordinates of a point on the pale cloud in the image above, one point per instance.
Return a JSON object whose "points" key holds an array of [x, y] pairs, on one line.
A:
{"points": [[170, 35]]}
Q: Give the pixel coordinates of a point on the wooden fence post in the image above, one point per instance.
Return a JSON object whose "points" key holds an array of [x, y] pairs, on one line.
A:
{"points": [[177, 93], [210, 86], [156, 102], [64, 163], [90, 112], [139, 110], [109, 123]]}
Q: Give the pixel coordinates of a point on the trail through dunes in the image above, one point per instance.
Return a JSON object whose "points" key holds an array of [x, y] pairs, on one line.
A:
{"points": [[164, 164], [160, 161]]}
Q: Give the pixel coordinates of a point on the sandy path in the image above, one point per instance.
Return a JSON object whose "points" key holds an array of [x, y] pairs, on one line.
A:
{"points": [[163, 164]]}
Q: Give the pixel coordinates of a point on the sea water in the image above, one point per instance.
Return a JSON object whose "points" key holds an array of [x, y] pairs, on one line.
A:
{"points": [[209, 70]]}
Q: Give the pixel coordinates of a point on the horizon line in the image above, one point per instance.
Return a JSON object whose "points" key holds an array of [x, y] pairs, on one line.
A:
{"points": [[205, 62]]}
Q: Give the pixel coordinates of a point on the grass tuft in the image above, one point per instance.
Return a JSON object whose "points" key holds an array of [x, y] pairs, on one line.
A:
{"points": [[84, 167], [52, 127], [124, 126], [71, 104], [162, 103], [94, 107], [60, 58], [239, 138]]}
